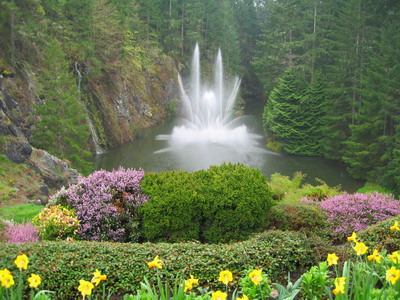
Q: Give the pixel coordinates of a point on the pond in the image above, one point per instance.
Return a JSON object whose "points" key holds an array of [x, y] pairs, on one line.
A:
{"points": [[148, 153]]}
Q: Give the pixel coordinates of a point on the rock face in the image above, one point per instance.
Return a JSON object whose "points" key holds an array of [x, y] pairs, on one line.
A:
{"points": [[54, 172]]}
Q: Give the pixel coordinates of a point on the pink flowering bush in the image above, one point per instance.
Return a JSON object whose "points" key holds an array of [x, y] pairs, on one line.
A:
{"points": [[105, 204], [20, 233], [355, 212]]}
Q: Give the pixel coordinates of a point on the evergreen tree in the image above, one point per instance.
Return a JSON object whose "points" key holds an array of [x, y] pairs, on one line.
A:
{"points": [[283, 120], [62, 128]]}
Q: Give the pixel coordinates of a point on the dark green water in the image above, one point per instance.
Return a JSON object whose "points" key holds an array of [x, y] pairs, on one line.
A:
{"points": [[140, 154]]}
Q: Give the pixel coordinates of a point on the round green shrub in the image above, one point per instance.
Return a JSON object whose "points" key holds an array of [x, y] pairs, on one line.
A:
{"points": [[298, 216], [224, 203], [236, 200], [173, 212]]}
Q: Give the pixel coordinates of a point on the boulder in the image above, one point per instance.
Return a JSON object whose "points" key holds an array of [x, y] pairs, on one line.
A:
{"points": [[54, 171]]}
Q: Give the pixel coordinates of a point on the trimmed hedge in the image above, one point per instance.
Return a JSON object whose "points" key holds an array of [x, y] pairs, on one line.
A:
{"points": [[222, 204], [380, 236], [298, 216], [62, 264]]}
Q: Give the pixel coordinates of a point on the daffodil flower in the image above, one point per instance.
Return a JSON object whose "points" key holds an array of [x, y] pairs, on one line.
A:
{"points": [[244, 297], [375, 256], [85, 287], [155, 263], [360, 248], [225, 276], [395, 257], [21, 262], [256, 276], [98, 277], [332, 259], [392, 275], [7, 280], [34, 280], [189, 283], [218, 295], [339, 285], [352, 238], [395, 226]]}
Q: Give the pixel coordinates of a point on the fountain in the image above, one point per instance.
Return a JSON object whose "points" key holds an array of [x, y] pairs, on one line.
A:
{"points": [[209, 116]]}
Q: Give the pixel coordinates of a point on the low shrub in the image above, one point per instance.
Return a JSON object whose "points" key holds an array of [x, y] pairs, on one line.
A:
{"points": [[20, 233], [62, 264], [105, 204], [298, 216], [292, 190], [56, 223], [224, 203], [354, 212], [380, 236]]}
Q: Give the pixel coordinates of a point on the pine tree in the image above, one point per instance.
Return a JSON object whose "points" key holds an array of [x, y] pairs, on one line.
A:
{"points": [[62, 128], [282, 118]]}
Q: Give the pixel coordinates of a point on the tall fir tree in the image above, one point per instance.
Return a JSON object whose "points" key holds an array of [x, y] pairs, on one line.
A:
{"points": [[62, 129]]}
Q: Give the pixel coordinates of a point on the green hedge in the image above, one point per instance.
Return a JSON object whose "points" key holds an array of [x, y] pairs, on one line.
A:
{"points": [[222, 204], [298, 216], [62, 264]]}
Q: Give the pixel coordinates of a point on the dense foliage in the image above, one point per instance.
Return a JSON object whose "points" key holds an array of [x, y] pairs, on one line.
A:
{"points": [[352, 48], [380, 236], [105, 204], [224, 203], [298, 217], [62, 264]]}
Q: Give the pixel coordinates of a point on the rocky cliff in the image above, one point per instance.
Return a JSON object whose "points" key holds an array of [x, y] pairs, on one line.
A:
{"points": [[119, 103]]}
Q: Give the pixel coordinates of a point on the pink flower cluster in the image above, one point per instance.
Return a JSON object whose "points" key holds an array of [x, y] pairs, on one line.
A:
{"points": [[105, 204], [355, 212], [21, 233]]}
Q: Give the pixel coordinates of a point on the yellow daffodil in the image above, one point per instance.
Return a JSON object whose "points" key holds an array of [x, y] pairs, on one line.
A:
{"points": [[7, 280], [360, 248], [85, 287], [339, 285], [244, 297], [189, 283], [395, 257], [352, 238], [392, 275], [21, 262], [218, 295], [98, 277], [375, 256], [332, 259], [3, 273], [34, 281], [155, 263], [395, 226], [256, 276], [225, 276]]}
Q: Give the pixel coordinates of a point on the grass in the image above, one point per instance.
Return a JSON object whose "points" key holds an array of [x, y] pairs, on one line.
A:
{"points": [[20, 213], [370, 187]]}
